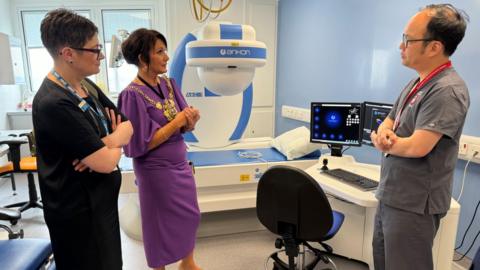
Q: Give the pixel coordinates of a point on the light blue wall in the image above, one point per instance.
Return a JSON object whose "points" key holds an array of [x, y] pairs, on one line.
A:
{"points": [[347, 50]]}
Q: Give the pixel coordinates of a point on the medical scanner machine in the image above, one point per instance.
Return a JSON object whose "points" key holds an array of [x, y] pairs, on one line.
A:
{"points": [[227, 178], [215, 67]]}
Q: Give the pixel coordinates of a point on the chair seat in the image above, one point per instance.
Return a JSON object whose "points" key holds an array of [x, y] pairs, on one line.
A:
{"points": [[28, 164], [6, 168], [9, 214], [24, 254], [337, 223]]}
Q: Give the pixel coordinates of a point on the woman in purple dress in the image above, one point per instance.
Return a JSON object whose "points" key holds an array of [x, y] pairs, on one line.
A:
{"points": [[159, 115]]}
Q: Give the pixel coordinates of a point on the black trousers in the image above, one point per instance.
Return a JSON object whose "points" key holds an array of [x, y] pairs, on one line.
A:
{"points": [[86, 241]]}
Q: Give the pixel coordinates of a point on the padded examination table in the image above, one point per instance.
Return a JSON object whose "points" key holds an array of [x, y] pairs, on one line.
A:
{"points": [[227, 157]]}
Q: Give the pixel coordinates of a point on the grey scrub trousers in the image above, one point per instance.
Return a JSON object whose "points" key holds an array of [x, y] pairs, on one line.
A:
{"points": [[412, 233]]}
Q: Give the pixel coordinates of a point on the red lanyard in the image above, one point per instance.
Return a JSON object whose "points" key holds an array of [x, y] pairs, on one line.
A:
{"points": [[415, 90]]}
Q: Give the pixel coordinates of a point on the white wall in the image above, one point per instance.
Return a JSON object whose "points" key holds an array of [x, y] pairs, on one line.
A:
{"points": [[10, 95], [5, 20]]}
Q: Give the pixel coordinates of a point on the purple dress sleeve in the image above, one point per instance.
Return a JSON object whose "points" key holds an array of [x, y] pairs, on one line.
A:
{"points": [[133, 106]]}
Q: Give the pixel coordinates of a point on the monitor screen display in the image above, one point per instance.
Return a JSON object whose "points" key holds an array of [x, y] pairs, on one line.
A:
{"points": [[336, 123], [374, 114]]}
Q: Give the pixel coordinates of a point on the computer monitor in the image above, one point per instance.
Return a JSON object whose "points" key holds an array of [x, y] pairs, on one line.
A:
{"points": [[374, 113], [336, 124], [115, 58]]}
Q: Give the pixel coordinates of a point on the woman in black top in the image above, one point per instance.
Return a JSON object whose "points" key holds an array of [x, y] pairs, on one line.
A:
{"points": [[79, 134]]}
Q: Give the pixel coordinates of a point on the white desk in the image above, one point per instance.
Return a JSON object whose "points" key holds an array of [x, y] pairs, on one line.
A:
{"points": [[354, 240], [20, 120], [15, 132]]}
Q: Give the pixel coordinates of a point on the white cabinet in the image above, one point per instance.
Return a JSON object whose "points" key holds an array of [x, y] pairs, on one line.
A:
{"points": [[20, 120], [11, 63]]}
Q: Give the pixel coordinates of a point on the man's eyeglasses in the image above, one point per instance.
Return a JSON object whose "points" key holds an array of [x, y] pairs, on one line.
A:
{"points": [[406, 40], [97, 50]]}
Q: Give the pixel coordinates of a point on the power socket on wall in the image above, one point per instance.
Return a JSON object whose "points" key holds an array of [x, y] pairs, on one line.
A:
{"points": [[474, 152], [469, 145], [296, 113]]}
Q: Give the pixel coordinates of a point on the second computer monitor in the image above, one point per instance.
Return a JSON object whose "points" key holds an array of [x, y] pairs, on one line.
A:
{"points": [[374, 113]]}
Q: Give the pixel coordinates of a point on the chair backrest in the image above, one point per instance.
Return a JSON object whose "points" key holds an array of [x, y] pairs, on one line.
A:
{"points": [[31, 143], [287, 198], [14, 151]]}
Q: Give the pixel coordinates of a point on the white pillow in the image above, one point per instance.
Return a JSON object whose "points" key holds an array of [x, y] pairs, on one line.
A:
{"points": [[295, 143]]}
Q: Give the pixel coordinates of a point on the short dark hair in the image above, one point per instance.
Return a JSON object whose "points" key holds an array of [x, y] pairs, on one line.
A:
{"points": [[139, 43], [447, 25], [62, 27]]}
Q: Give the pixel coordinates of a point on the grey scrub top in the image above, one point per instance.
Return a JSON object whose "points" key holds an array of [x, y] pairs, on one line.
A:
{"points": [[424, 185]]}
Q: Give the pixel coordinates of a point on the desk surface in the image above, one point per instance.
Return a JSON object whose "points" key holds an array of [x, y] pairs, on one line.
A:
{"points": [[14, 132], [6, 135], [347, 192], [342, 190]]}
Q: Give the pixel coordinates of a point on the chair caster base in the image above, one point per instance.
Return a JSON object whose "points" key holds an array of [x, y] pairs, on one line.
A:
{"points": [[24, 206]]}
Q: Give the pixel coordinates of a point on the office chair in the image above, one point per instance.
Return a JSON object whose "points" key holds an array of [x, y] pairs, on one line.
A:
{"points": [[5, 171], [11, 215], [290, 203], [23, 254], [18, 164]]}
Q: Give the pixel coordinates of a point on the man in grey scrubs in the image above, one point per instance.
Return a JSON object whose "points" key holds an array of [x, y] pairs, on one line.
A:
{"points": [[419, 139]]}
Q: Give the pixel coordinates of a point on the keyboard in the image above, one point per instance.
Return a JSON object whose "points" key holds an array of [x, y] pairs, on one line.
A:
{"points": [[353, 179]]}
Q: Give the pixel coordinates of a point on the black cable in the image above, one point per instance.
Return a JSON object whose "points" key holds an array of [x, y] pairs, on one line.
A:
{"points": [[469, 248], [345, 149], [158, 93], [469, 225]]}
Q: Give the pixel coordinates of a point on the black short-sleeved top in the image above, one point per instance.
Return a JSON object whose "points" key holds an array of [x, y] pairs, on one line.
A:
{"points": [[63, 133]]}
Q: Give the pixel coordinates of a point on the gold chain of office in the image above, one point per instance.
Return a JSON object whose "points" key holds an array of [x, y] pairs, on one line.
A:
{"points": [[168, 107]]}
